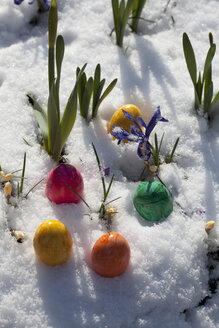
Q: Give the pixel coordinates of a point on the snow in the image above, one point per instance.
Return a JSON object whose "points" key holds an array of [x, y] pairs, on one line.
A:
{"points": [[168, 274]]}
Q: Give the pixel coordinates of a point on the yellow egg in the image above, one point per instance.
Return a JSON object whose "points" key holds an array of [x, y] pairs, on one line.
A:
{"points": [[119, 119], [52, 242]]}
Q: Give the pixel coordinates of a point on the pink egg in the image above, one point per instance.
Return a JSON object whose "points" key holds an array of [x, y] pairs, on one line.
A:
{"points": [[59, 179]]}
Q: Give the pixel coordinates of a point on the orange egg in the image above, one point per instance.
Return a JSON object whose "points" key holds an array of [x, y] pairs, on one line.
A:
{"points": [[52, 242], [119, 119], [110, 255]]}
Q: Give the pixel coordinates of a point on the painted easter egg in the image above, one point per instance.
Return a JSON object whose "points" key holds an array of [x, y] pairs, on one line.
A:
{"points": [[52, 242], [110, 255], [119, 119], [153, 201], [59, 179]]}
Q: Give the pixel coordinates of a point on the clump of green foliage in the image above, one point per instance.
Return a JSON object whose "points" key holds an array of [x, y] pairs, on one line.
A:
{"points": [[92, 87], [203, 84], [121, 13], [54, 129], [136, 14]]}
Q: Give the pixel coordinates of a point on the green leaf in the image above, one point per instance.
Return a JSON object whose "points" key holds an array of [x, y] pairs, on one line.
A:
{"points": [[23, 173], [53, 126], [170, 158], [69, 116], [215, 100], [208, 60], [86, 98], [208, 98], [210, 38], [81, 88], [60, 49], [52, 24], [115, 8], [104, 95], [100, 170], [97, 95], [198, 92], [190, 58], [52, 31], [136, 13], [41, 118], [97, 75]]}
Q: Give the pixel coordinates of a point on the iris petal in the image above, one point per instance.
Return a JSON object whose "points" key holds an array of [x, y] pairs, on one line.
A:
{"points": [[141, 122], [131, 118]]}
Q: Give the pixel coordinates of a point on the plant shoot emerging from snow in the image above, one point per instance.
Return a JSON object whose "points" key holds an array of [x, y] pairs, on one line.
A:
{"points": [[203, 85]]}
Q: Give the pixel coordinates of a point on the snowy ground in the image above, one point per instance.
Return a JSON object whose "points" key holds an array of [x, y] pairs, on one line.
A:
{"points": [[168, 274]]}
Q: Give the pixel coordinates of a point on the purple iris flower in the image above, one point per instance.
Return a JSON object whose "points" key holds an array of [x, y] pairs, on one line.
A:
{"points": [[45, 3], [136, 134]]}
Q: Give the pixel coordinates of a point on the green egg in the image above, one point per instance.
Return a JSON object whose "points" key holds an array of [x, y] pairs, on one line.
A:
{"points": [[153, 201]]}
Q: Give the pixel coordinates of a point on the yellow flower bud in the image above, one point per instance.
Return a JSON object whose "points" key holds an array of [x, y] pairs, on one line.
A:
{"points": [[111, 211], [7, 189], [209, 226]]}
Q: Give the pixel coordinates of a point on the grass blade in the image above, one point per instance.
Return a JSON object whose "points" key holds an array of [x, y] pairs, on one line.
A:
{"points": [[79, 196], [33, 187], [170, 158], [23, 173], [100, 169]]}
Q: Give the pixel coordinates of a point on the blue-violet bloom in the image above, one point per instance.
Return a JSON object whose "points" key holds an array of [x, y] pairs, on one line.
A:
{"points": [[45, 3], [137, 135], [106, 171]]}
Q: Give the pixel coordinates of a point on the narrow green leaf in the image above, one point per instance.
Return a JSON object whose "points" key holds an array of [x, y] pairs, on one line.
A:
{"points": [[104, 95], [108, 189], [33, 188], [198, 92], [190, 58], [41, 118], [208, 98], [52, 24], [23, 173], [215, 100], [97, 95], [170, 158], [208, 60], [126, 14], [52, 31], [136, 13], [79, 196], [100, 169], [97, 75], [69, 116], [60, 49], [115, 8], [210, 38], [113, 200], [161, 141], [53, 124], [81, 89]]}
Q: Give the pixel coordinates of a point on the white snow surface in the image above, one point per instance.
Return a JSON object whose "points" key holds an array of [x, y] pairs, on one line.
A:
{"points": [[168, 274]]}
